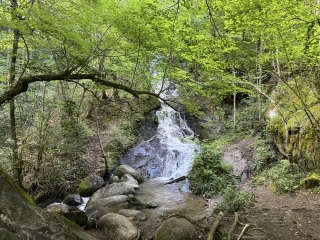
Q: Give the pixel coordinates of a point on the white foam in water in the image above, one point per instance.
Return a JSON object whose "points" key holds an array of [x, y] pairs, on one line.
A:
{"points": [[168, 154], [176, 135], [83, 205]]}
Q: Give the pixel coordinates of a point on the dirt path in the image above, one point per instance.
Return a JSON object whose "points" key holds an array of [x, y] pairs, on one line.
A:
{"points": [[279, 217]]}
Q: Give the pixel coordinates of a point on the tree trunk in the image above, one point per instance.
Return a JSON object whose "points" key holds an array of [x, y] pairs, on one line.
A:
{"points": [[16, 160]]}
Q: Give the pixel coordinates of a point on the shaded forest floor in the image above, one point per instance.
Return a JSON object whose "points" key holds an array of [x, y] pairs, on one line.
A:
{"points": [[277, 217]]}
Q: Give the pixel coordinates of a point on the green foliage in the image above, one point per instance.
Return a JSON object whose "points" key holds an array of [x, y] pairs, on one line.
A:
{"points": [[311, 181], [284, 177], [195, 44], [208, 175], [293, 127], [233, 200], [264, 154], [60, 177]]}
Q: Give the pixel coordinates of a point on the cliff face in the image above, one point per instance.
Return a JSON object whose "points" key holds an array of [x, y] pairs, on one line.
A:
{"points": [[21, 219], [293, 125]]}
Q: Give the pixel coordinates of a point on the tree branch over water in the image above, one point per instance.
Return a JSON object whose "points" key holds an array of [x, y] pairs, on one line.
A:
{"points": [[22, 85]]}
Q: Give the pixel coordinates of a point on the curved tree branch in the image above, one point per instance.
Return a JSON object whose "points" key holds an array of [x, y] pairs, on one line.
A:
{"points": [[22, 85]]}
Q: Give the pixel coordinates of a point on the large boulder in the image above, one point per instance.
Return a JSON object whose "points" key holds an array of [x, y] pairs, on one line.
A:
{"points": [[111, 190], [136, 214], [97, 212], [19, 215], [90, 184], [73, 200], [7, 235], [128, 179], [79, 217], [72, 213], [111, 201], [118, 227], [124, 169], [58, 208], [177, 229], [114, 179]]}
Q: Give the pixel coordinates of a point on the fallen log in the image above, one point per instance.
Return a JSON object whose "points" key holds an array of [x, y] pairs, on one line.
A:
{"points": [[179, 179], [236, 217], [215, 225]]}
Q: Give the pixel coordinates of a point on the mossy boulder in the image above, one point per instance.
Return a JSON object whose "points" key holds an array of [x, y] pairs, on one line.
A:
{"points": [[18, 215], [177, 229], [90, 184], [310, 182]]}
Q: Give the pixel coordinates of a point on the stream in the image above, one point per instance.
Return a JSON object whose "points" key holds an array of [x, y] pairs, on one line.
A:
{"points": [[165, 156]]}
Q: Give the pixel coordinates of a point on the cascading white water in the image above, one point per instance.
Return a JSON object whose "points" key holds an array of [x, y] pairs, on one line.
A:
{"points": [[176, 136], [170, 152], [167, 155]]}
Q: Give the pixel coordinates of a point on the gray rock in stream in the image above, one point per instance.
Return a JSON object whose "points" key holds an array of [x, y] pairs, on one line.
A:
{"points": [[116, 226], [73, 200], [90, 184], [58, 208], [136, 214], [124, 169], [79, 217], [96, 211], [111, 201], [111, 190], [128, 179]]}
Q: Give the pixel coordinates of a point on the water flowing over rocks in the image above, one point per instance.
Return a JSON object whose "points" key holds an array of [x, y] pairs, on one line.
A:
{"points": [[170, 152]]}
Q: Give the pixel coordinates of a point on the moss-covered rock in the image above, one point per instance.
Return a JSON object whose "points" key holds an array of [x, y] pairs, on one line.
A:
{"points": [[19, 215], [7, 235], [177, 229], [79, 217], [310, 182], [293, 125], [90, 184]]}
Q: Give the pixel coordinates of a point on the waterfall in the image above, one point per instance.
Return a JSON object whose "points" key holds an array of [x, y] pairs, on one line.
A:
{"points": [[170, 152]]}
